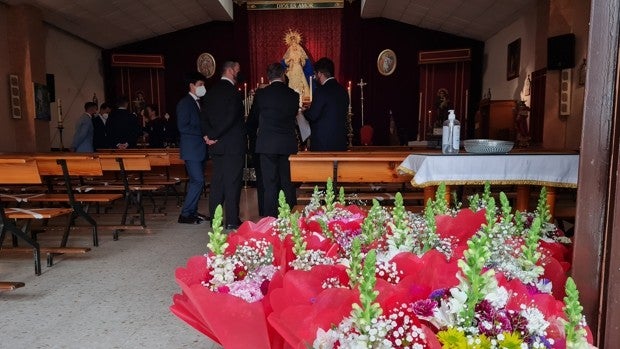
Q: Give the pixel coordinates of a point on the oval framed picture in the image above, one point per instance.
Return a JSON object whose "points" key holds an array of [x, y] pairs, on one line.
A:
{"points": [[206, 65], [386, 62]]}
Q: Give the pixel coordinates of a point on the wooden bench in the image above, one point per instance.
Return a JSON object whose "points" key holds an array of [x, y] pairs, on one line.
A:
{"points": [[10, 285], [26, 171]]}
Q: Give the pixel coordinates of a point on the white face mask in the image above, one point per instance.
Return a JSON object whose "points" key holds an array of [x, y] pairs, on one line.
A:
{"points": [[200, 91], [104, 115]]}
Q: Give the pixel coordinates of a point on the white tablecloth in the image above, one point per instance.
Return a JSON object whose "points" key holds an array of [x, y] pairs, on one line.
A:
{"points": [[556, 170]]}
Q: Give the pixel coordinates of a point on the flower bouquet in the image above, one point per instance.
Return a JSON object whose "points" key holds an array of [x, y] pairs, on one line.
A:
{"points": [[339, 276]]}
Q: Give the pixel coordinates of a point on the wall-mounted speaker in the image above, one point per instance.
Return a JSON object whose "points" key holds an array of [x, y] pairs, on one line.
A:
{"points": [[51, 86], [565, 92], [561, 52], [16, 109]]}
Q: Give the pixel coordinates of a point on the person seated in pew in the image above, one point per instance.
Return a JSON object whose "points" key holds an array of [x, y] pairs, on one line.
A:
{"points": [[84, 130]]}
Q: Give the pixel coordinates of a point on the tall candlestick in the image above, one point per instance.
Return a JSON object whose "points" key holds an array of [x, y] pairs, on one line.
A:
{"points": [[311, 88], [261, 80], [245, 97], [59, 105]]}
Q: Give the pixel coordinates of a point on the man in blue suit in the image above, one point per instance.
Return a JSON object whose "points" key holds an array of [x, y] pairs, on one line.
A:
{"points": [[193, 147], [328, 112], [84, 130]]}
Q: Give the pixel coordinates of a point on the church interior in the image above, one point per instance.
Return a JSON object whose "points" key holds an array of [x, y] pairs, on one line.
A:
{"points": [[539, 73]]}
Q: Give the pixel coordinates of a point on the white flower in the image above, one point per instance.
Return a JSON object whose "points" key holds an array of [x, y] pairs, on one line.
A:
{"points": [[497, 297], [457, 301], [536, 323], [325, 339]]}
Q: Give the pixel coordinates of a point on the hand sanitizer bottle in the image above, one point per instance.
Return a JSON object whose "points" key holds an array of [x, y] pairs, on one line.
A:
{"points": [[451, 136]]}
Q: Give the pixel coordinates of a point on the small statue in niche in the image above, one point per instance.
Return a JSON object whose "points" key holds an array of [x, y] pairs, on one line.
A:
{"points": [[442, 105], [522, 113]]}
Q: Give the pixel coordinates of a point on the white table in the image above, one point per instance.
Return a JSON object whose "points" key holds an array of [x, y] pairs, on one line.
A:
{"points": [[551, 170]]}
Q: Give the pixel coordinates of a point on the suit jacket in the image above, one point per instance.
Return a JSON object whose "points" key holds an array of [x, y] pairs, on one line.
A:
{"points": [[192, 145], [123, 127], [273, 118], [223, 120], [156, 130], [83, 137], [100, 137], [328, 117]]}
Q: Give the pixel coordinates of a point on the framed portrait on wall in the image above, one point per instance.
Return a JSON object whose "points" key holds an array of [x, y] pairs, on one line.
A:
{"points": [[386, 62], [206, 64], [42, 102], [514, 60]]}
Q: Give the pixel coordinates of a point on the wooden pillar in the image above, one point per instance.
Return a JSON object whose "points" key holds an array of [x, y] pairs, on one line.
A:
{"points": [[523, 198]]}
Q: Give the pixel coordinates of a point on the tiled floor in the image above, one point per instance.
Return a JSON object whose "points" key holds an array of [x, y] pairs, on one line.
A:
{"points": [[115, 296]]}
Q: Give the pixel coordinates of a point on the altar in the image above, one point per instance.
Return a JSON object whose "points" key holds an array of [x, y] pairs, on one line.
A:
{"points": [[549, 169]]}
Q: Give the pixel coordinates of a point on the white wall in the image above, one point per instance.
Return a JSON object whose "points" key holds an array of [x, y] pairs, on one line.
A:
{"points": [[77, 73], [496, 51]]}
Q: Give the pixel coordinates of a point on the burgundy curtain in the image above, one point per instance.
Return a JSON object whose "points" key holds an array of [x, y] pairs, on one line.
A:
{"points": [[320, 30]]}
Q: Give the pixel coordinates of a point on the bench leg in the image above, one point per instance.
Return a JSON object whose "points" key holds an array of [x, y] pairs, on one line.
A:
{"points": [[127, 203], [79, 211], [16, 232]]}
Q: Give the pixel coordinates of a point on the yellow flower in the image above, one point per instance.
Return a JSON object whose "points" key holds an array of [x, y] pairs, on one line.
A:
{"points": [[452, 339], [481, 342], [510, 341]]}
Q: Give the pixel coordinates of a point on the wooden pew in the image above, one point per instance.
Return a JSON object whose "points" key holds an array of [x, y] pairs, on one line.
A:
{"points": [[133, 192], [348, 167], [25, 171]]}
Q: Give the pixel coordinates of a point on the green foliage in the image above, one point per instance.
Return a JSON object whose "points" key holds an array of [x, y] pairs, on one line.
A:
{"points": [[490, 214], [530, 254], [284, 210], [341, 197], [217, 240], [299, 244], [367, 311], [575, 333], [372, 227], [486, 193], [429, 217], [542, 209], [355, 265], [506, 209], [475, 282], [474, 202], [519, 221], [440, 205], [329, 195], [399, 213]]}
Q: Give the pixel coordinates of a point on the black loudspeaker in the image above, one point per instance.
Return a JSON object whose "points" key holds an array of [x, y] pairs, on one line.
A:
{"points": [[561, 52], [51, 86]]}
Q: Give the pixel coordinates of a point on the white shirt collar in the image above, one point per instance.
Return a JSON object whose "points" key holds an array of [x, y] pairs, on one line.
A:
{"points": [[194, 96], [326, 80], [225, 78]]}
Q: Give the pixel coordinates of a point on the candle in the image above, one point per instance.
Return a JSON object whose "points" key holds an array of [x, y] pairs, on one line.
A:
{"points": [[261, 80], [245, 97], [310, 88], [349, 92], [59, 111]]}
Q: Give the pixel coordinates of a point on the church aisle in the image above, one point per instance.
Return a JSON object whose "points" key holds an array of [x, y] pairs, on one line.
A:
{"points": [[115, 296]]}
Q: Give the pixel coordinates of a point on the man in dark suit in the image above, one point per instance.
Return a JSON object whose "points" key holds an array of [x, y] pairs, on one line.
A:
{"points": [[328, 112], [275, 107], [193, 149], [224, 130], [124, 126], [100, 124]]}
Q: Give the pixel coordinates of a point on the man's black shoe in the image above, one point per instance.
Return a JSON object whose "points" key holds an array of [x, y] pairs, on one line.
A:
{"points": [[189, 220], [232, 226], [203, 217]]}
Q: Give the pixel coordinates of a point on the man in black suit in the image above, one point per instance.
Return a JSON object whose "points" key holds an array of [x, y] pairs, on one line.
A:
{"points": [[100, 124], [224, 131], [193, 149], [123, 125], [275, 107], [328, 112]]}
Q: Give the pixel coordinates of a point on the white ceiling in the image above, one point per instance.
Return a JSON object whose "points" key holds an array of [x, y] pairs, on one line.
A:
{"points": [[476, 19], [111, 23]]}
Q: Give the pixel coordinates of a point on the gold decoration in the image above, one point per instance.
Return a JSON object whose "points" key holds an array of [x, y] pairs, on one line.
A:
{"points": [[292, 36]]}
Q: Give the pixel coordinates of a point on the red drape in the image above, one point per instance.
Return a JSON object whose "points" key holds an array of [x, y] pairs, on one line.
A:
{"points": [[320, 30]]}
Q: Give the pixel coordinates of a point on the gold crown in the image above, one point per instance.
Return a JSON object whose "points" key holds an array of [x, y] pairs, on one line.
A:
{"points": [[292, 36]]}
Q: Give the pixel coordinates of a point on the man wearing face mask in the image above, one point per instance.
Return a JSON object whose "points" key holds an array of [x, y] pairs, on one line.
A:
{"points": [[224, 131], [193, 149], [100, 123]]}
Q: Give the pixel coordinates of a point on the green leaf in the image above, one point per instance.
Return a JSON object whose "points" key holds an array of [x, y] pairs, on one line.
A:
{"points": [[217, 240]]}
